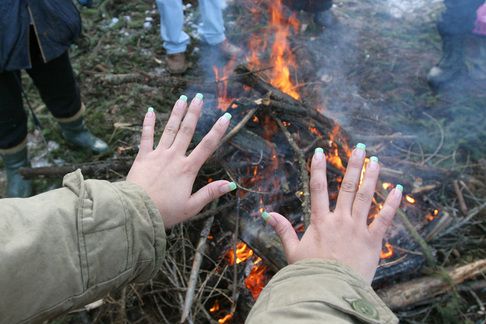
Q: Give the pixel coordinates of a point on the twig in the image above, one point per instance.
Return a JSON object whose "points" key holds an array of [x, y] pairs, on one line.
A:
{"points": [[196, 265], [303, 174], [471, 214], [234, 295], [238, 126], [460, 197], [439, 147], [412, 292]]}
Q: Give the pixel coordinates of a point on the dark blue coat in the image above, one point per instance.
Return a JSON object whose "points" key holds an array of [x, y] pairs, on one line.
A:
{"points": [[57, 23]]}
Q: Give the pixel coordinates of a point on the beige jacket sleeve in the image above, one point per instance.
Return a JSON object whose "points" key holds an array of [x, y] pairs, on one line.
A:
{"points": [[318, 291], [67, 247]]}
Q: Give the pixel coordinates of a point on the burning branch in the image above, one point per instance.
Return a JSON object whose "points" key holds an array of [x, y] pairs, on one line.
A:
{"points": [[303, 174]]}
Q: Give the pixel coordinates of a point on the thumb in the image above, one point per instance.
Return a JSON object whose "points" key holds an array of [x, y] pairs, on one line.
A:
{"points": [[208, 193], [284, 230]]}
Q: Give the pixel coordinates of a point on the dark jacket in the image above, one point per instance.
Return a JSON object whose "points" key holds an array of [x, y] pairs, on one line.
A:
{"points": [[57, 24]]}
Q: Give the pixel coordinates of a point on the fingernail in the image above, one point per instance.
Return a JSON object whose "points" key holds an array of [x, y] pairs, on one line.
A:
{"points": [[399, 187], [199, 96], [318, 153], [360, 150], [265, 216], [373, 162], [228, 187], [183, 98], [227, 116], [361, 146], [150, 111]]}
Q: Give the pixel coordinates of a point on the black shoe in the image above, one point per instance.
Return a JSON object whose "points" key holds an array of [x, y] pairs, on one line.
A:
{"points": [[78, 134], [17, 186], [326, 19], [450, 65]]}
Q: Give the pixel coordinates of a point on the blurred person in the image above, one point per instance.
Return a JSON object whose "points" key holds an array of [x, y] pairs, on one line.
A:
{"points": [[455, 24], [323, 15], [68, 247], [175, 40], [35, 37]]}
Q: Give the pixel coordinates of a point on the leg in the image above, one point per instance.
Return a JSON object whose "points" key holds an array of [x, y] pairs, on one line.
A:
{"points": [[212, 29], [171, 26], [456, 23], [59, 91], [13, 134], [13, 118]]}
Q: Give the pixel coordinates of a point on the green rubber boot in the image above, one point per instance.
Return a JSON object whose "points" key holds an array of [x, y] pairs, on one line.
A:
{"points": [[17, 186], [76, 133]]}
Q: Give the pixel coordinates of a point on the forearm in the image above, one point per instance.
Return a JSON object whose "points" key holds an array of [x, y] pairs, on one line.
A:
{"points": [[67, 247], [319, 291]]}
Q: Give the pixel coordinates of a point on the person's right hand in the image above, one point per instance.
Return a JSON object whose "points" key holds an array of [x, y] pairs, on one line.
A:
{"points": [[342, 235], [166, 174]]}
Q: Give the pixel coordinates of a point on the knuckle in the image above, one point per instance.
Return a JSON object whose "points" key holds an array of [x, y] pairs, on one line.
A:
{"points": [[281, 229], [209, 144], [362, 196], [211, 193], [316, 185], [186, 130], [171, 129], [349, 186]]}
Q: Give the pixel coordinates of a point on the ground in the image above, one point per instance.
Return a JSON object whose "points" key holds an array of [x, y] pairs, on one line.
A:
{"points": [[369, 73]]}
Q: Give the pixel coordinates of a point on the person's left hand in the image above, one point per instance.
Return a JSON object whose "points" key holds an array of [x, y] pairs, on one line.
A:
{"points": [[166, 174]]}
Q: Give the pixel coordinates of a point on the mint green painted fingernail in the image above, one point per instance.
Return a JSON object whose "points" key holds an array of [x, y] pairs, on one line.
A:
{"points": [[199, 96], [374, 159], [318, 150], [265, 216], [150, 110], [361, 146], [227, 116], [232, 186], [399, 187], [183, 98]]}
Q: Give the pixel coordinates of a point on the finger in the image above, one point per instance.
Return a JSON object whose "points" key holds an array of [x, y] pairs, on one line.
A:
{"points": [[188, 126], [147, 138], [210, 142], [173, 124], [364, 196], [350, 183], [208, 193], [284, 230], [318, 186], [385, 218]]}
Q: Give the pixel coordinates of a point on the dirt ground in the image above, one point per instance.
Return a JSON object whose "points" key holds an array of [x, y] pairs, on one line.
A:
{"points": [[368, 72]]}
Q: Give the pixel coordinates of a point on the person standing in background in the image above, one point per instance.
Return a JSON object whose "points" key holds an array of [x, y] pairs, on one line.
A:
{"points": [[455, 24], [35, 36], [175, 40], [323, 15]]}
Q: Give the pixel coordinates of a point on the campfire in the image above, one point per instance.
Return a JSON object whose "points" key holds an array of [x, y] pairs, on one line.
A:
{"points": [[229, 254]]}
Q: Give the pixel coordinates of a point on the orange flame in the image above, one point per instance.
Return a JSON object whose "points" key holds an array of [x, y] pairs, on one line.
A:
{"points": [[387, 251], [256, 279], [386, 185], [225, 319], [221, 75], [215, 307], [410, 199], [281, 57], [432, 215], [243, 253]]}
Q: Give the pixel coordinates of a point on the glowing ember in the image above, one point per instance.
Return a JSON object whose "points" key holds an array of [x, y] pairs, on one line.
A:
{"points": [[256, 279], [215, 307], [410, 199], [387, 251], [432, 215], [243, 253], [386, 185], [225, 319]]}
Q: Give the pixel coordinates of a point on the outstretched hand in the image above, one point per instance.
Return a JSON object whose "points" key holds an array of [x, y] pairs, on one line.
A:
{"points": [[342, 235], [166, 174]]}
